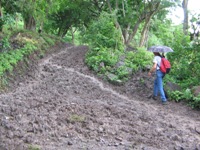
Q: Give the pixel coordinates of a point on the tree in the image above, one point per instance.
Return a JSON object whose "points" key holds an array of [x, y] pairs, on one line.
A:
{"points": [[1, 18], [145, 30], [185, 12], [9, 6], [195, 27], [34, 12], [130, 15], [71, 14]]}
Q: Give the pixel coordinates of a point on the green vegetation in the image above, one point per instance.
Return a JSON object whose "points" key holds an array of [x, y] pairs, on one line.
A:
{"points": [[187, 96], [76, 118], [18, 46], [33, 147], [107, 51]]}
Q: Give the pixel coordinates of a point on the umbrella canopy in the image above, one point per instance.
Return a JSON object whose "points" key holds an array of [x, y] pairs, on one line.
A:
{"points": [[162, 49]]}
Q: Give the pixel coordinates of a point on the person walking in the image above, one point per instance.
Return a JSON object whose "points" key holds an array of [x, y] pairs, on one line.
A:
{"points": [[158, 82]]}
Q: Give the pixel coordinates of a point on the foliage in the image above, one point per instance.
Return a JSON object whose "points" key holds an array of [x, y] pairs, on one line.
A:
{"points": [[176, 95], [138, 60], [9, 59], [187, 96], [195, 103], [122, 73], [160, 34], [106, 47], [9, 20], [184, 60], [75, 14], [29, 43], [107, 51], [33, 12], [33, 147], [102, 56], [76, 118], [10, 6], [102, 33], [5, 44], [130, 15], [1, 23]]}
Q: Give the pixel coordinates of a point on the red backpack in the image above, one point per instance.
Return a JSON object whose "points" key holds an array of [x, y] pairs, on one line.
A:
{"points": [[165, 65]]}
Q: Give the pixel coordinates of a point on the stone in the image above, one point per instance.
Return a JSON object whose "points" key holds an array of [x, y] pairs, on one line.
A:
{"points": [[196, 90], [172, 87]]}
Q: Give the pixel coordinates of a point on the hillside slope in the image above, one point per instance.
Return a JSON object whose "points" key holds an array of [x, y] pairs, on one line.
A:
{"points": [[63, 105]]}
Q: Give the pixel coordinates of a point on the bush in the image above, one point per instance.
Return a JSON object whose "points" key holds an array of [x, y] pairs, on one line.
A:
{"points": [[29, 43], [102, 33], [103, 56], [138, 60]]}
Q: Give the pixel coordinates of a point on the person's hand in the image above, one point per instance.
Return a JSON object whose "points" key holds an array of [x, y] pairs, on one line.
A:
{"points": [[149, 73]]}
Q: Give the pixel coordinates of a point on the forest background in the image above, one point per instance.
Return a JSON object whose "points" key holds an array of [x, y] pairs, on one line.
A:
{"points": [[118, 33]]}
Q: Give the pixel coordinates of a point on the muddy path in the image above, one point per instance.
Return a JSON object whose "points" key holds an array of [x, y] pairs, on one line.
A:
{"points": [[64, 106]]}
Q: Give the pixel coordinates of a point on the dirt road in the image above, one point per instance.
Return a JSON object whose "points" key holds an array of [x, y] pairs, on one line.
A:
{"points": [[64, 106]]}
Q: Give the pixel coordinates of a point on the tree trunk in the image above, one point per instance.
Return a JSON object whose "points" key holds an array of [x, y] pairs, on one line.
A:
{"points": [[134, 31], [73, 34], [147, 17], [29, 23], [147, 13], [1, 18], [126, 33], [144, 33], [16, 20], [1, 11], [116, 22], [145, 30], [185, 21], [62, 31]]}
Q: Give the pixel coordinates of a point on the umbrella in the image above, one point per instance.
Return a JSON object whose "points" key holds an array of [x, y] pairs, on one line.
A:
{"points": [[162, 49]]}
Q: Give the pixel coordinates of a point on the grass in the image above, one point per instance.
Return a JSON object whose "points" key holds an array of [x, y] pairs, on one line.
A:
{"points": [[76, 118]]}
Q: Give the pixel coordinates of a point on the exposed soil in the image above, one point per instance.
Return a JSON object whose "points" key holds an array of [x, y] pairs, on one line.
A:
{"points": [[62, 105]]}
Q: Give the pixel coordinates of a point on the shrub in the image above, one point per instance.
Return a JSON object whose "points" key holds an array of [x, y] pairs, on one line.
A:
{"points": [[102, 33], [138, 59]]}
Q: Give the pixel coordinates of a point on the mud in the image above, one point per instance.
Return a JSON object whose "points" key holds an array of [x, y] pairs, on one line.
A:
{"points": [[64, 106]]}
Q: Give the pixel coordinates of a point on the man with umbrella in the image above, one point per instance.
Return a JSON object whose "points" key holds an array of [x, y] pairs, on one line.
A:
{"points": [[158, 82]]}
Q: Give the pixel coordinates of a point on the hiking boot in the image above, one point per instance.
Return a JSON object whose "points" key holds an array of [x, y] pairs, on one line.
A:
{"points": [[165, 103], [154, 97]]}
